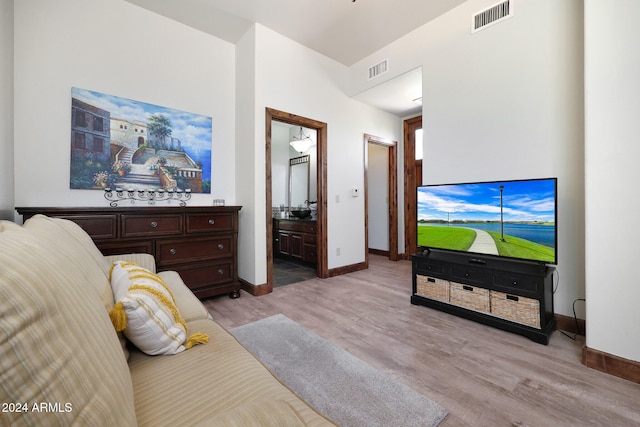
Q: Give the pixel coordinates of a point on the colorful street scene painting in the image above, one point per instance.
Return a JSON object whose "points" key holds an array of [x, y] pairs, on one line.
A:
{"points": [[120, 143]]}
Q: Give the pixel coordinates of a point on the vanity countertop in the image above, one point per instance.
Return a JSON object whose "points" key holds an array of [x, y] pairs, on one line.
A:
{"points": [[294, 219]]}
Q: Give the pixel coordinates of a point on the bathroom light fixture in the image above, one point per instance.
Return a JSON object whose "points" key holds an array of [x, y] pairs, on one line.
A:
{"points": [[301, 142]]}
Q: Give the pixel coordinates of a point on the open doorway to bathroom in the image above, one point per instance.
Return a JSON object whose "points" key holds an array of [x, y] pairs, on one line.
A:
{"points": [[302, 240]]}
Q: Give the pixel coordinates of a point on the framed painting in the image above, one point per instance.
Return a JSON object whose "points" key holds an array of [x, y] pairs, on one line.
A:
{"points": [[122, 143]]}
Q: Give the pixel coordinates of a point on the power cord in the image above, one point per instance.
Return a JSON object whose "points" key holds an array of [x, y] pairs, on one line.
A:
{"points": [[576, 319]]}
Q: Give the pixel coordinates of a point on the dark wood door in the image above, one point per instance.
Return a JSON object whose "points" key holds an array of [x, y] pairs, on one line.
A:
{"points": [[283, 242], [412, 179], [295, 245]]}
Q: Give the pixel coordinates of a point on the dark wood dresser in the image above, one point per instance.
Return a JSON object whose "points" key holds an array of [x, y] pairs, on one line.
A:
{"points": [[198, 242]]}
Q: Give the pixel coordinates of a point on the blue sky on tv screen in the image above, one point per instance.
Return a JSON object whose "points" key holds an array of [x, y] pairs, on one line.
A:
{"points": [[530, 200]]}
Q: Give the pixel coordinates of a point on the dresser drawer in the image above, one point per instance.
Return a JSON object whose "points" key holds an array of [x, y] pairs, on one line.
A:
{"points": [[97, 226], [470, 297], [516, 308], [469, 274], [136, 247], [428, 266], [203, 223], [290, 226], [310, 228], [190, 250], [201, 275], [512, 282], [151, 225], [310, 254], [432, 287]]}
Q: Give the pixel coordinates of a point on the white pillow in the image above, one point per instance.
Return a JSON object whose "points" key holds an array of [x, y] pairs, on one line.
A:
{"points": [[146, 311]]}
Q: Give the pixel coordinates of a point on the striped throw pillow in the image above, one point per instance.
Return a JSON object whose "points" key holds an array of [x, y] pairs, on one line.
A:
{"points": [[146, 311]]}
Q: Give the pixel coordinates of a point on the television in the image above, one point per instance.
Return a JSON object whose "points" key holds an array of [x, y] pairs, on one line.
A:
{"points": [[510, 219]]}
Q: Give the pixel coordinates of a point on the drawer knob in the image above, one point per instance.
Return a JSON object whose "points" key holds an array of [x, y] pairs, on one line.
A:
{"points": [[220, 246], [212, 221], [515, 283], [220, 271], [172, 251], [154, 224]]}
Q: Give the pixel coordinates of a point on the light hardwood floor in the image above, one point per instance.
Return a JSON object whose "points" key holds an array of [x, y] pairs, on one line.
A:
{"points": [[481, 375]]}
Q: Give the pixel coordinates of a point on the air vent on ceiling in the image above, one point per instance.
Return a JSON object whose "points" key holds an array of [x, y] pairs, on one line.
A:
{"points": [[378, 69], [493, 15]]}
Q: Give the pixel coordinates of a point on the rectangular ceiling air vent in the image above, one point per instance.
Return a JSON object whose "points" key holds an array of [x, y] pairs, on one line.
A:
{"points": [[493, 15], [378, 69]]}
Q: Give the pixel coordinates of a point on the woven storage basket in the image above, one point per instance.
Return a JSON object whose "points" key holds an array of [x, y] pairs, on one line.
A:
{"points": [[516, 308], [433, 288], [470, 297]]}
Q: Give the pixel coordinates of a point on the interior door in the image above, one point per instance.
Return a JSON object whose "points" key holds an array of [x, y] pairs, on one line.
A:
{"points": [[390, 216]]}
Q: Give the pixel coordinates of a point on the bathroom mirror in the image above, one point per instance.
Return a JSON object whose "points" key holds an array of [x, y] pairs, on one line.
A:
{"points": [[298, 181]]}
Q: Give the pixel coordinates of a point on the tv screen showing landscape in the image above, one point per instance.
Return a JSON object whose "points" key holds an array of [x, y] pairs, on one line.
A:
{"points": [[514, 219]]}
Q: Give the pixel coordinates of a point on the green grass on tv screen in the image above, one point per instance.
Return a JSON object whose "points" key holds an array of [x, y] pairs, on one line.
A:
{"points": [[457, 239], [461, 239]]}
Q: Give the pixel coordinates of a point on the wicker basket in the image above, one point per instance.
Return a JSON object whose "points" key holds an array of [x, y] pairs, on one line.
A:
{"points": [[470, 297], [433, 288], [516, 308]]}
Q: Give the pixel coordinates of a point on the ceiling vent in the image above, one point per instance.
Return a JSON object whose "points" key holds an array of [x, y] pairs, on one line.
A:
{"points": [[493, 15], [378, 69]]}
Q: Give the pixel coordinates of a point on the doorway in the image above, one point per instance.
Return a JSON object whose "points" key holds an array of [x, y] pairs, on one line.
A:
{"points": [[382, 207], [412, 179], [271, 115]]}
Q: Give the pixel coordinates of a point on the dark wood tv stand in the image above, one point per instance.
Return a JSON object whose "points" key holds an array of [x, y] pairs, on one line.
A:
{"points": [[516, 296]]}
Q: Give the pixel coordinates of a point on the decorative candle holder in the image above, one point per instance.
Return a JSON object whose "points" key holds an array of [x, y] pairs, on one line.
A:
{"points": [[149, 196]]}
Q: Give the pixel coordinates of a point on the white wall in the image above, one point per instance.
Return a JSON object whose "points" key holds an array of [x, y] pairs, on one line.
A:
{"points": [[250, 257], [322, 80], [505, 103], [612, 106], [116, 48], [6, 109], [314, 88]]}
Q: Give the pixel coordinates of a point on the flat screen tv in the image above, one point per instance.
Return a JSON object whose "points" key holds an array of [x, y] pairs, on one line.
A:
{"points": [[511, 219]]}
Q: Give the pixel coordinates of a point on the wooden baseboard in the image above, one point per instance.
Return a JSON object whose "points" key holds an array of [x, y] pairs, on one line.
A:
{"points": [[610, 364], [379, 252], [255, 290], [568, 324], [347, 269]]}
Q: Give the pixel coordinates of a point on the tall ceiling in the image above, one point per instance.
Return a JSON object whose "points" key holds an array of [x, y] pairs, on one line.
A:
{"points": [[344, 30]]}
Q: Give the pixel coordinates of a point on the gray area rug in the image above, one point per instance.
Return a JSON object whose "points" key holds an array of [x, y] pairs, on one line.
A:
{"points": [[339, 385]]}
